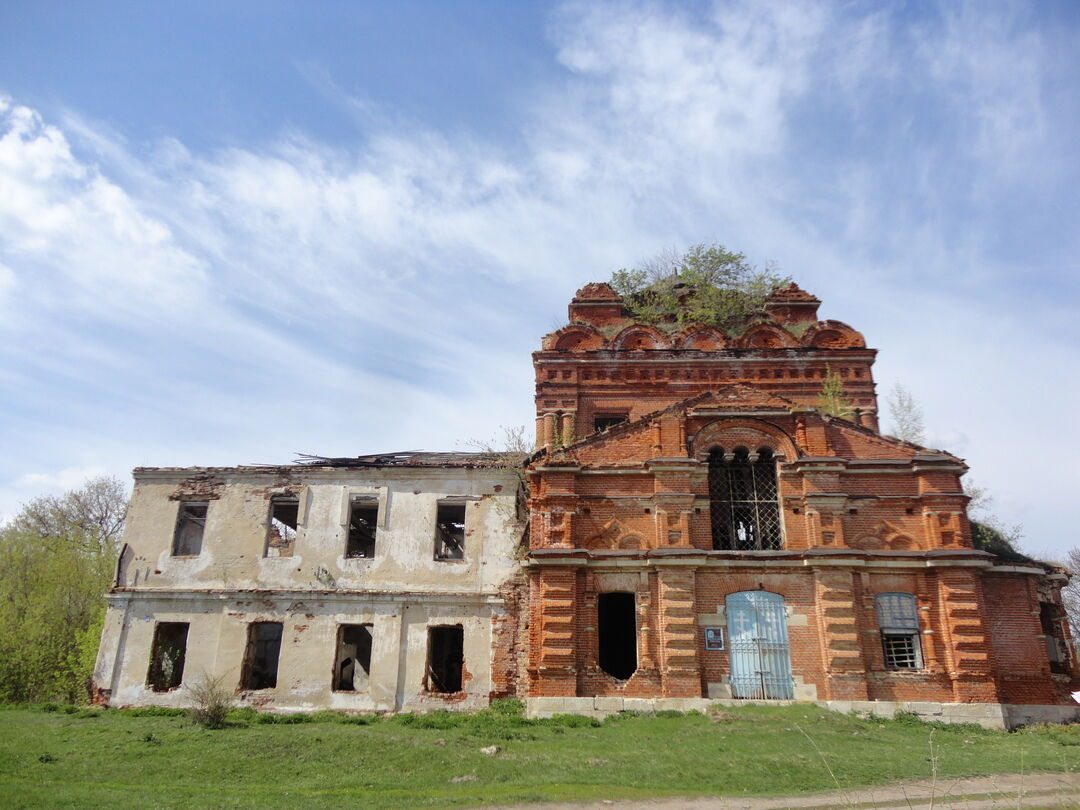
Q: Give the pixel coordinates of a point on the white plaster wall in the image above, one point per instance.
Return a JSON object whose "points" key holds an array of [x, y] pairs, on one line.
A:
{"points": [[217, 637], [401, 592]]}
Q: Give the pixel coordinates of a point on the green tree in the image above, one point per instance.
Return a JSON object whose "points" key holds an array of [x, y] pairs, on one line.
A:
{"points": [[833, 400], [57, 558], [708, 284]]}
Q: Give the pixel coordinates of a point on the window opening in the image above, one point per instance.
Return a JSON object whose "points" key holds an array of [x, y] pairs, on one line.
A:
{"points": [[450, 532], [603, 421], [898, 619], [353, 664], [281, 533], [363, 518], [1051, 619], [744, 509], [445, 658], [261, 657], [167, 656], [616, 625], [190, 525]]}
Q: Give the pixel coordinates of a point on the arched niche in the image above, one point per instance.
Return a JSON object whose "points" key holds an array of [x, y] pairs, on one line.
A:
{"points": [[767, 336], [576, 338], [833, 335], [749, 433], [639, 338], [702, 339]]}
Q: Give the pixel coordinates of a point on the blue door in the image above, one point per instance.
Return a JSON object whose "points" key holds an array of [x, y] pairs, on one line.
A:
{"points": [[759, 652]]}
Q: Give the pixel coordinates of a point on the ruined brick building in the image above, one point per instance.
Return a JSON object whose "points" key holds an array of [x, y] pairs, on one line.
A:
{"points": [[697, 530]]}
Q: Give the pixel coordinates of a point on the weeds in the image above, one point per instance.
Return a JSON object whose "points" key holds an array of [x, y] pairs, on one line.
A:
{"points": [[211, 700]]}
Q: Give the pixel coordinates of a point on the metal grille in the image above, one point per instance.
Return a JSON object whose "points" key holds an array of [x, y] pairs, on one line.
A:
{"points": [[743, 505], [898, 619], [759, 653], [901, 650]]}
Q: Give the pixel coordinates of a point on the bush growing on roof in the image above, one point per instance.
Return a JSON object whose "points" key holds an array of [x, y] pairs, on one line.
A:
{"points": [[708, 284]]}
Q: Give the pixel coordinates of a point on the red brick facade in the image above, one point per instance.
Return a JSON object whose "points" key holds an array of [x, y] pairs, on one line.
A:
{"points": [[629, 509]]}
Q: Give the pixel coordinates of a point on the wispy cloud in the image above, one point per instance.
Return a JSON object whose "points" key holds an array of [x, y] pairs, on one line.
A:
{"points": [[237, 305]]}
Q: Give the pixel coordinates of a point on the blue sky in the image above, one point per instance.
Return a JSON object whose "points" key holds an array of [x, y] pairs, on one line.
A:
{"points": [[230, 232]]}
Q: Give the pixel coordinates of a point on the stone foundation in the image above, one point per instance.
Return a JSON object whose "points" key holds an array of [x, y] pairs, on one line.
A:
{"points": [[1001, 716]]}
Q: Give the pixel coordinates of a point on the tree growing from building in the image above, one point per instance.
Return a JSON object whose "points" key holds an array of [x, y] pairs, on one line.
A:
{"points": [[708, 284], [906, 415]]}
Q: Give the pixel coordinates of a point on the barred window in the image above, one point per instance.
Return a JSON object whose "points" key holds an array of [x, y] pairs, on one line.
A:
{"points": [[743, 500], [898, 620]]}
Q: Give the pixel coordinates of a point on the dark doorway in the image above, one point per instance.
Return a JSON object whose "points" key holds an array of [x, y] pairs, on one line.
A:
{"points": [[445, 654], [167, 656], [261, 659], [617, 634], [353, 663]]}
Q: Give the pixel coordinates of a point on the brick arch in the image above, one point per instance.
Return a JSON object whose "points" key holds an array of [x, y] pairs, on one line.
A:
{"points": [[574, 338], [703, 338], [749, 433], [833, 335], [767, 336], [637, 337]]}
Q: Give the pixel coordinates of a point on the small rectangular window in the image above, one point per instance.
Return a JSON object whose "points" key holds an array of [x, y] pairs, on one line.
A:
{"points": [[167, 656], [1051, 618], [281, 533], [445, 658], [450, 532], [190, 525], [603, 421], [363, 520], [261, 656], [898, 620], [353, 663]]}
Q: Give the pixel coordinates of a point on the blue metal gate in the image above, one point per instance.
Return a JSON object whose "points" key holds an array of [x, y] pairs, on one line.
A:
{"points": [[759, 653]]}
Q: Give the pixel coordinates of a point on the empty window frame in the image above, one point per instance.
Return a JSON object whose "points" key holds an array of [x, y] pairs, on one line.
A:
{"points": [[445, 658], [352, 665], [898, 619], [190, 525], [363, 520], [450, 532], [743, 503], [281, 528], [603, 421], [261, 657], [616, 634], [167, 656], [1052, 619]]}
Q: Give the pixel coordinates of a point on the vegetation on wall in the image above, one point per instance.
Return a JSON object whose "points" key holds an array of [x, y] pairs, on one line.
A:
{"points": [[833, 400], [708, 284], [57, 559]]}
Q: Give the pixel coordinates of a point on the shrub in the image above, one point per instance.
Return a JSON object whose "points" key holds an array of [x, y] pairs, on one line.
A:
{"points": [[211, 700]]}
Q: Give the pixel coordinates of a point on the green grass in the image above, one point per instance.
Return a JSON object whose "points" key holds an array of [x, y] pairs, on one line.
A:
{"points": [[61, 757]]}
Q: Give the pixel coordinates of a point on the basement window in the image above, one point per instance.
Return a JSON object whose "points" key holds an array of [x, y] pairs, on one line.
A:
{"points": [[603, 421], [167, 656], [450, 532], [353, 663], [281, 532], [261, 656], [363, 518], [899, 623], [445, 658], [190, 525], [616, 622]]}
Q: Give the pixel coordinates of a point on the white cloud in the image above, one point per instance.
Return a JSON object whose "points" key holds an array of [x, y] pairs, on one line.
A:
{"points": [[57, 480]]}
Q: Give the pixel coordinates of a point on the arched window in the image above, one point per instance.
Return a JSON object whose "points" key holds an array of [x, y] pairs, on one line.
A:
{"points": [[898, 619], [742, 499]]}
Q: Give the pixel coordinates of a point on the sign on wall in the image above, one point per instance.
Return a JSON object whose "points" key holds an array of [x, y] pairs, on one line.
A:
{"points": [[714, 638]]}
